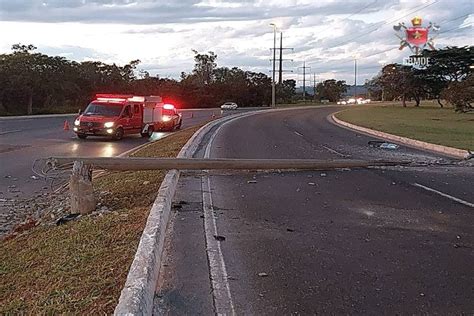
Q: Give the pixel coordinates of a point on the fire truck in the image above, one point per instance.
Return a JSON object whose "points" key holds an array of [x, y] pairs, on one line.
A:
{"points": [[117, 115]]}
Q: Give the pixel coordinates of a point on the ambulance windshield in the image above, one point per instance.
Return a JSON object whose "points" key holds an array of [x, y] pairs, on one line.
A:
{"points": [[103, 109]]}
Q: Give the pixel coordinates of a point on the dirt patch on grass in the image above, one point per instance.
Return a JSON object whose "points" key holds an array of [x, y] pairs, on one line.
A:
{"points": [[81, 267]]}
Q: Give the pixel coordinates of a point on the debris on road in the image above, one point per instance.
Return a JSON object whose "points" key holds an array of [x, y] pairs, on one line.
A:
{"points": [[382, 145], [219, 238], [323, 174], [34, 177], [262, 274], [176, 206], [290, 230], [311, 183], [252, 181], [67, 218]]}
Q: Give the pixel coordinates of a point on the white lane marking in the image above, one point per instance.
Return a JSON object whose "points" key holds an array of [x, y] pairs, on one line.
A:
{"points": [[444, 194], [222, 296], [220, 285], [333, 151], [9, 132], [298, 133]]}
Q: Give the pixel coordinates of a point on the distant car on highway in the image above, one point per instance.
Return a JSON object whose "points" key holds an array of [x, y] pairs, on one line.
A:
{"points": [[354, 101], [229, 106], [116, 115]]}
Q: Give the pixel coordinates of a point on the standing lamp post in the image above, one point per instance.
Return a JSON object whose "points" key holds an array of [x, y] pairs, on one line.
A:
{"points": [[274, 59], [355, 78]]}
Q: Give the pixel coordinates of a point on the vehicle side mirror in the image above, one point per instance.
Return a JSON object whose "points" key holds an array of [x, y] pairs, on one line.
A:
{"points": [[79, 112]]}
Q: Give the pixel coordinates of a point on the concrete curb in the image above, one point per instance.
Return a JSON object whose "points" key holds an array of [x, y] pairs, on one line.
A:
{"points": [[440, 149], [137, 295], [6, 118]]}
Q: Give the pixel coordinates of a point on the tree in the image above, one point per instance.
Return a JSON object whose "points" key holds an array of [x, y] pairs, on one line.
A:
{"points": [[34, 82], [331, 90], [204, 67], [286, 91], [401, 82], [447, 65], [460, 94]]}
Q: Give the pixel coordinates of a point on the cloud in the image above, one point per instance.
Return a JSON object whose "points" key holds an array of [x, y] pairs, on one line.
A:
{"points": [[326, 34]]}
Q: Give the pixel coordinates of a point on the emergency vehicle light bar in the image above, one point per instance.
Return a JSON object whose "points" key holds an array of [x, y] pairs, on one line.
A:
{"points": [[126, 97], [168, 106], [111, 99], [136, 99]]}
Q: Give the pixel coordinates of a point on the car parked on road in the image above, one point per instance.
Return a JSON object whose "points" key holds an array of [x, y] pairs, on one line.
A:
{"points": [[229, 106], [118, 115]]}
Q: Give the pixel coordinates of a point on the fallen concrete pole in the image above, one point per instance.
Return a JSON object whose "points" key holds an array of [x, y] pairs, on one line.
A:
{"points": [[125, 164]]}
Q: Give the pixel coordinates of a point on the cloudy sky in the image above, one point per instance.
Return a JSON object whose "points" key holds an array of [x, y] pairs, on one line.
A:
{"points": [[326, 34]]}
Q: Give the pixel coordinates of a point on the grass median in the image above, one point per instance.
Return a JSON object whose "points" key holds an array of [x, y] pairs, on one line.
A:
{"points": [[426, 123], [81, 267]]}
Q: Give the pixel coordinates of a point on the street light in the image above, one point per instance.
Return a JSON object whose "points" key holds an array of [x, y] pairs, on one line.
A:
{"points": [[355, 77], [274, 59]]}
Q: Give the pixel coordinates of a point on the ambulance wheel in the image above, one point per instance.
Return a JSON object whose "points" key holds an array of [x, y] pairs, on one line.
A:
{"points": [[82, 136], [148, 133], [118, 134]]}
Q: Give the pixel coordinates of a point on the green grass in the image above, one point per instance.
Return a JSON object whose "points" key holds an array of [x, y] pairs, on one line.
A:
{"points": [[426, 123], [81, 267], [41, 111]]}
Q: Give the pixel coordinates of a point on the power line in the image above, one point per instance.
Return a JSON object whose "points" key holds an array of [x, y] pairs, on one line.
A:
{"points": [[378, 26], [457, 28], [392, 48], [351, 15]]}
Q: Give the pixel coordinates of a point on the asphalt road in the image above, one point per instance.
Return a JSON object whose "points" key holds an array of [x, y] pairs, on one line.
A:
{"points": [[23, 140], [367, 242]]}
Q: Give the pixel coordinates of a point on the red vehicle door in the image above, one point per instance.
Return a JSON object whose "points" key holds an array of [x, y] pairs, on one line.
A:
{"points": [[136, 120], [125, 119]]}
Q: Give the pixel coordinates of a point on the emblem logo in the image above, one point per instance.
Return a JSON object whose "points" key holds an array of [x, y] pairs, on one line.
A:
{"points": [[416, 37], [90, 124]]}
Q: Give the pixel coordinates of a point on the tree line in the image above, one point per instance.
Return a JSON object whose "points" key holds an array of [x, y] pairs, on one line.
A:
{"points": [[32, 82], [447, 77]]}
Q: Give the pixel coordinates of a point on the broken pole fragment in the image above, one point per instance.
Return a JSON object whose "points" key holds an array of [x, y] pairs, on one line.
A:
{"points": [[122, 163], [80, 188]]}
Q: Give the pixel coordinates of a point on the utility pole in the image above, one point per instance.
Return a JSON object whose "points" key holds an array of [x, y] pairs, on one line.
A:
{"points": [[304, 82], [274, 59], [304, 79], [314, 86], [280, 62], [280, 69], [355, 78]]}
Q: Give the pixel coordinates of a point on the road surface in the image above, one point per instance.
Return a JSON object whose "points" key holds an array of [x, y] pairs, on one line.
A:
{"points": [[395, 240], [23, 140]]}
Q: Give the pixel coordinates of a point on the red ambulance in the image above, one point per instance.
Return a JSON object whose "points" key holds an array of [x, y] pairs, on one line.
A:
{"points": [[117, 115]]}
